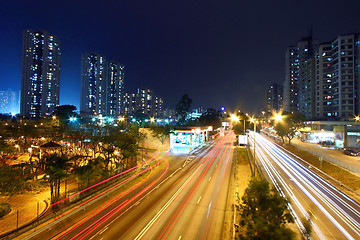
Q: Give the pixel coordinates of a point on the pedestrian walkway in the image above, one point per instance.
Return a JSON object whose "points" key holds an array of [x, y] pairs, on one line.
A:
{"points": [[24, 209], [332, 155]]}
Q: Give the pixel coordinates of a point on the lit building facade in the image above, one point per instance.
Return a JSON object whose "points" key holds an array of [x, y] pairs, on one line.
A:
{"points": [[337, 78], [143, 101], [274, 98], [323, 83], [115, 86], [296, 76], [40, 76], [93, 85], [8, 102], [291, 85]]}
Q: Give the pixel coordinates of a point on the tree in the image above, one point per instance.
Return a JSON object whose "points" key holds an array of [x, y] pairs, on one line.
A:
{"points": [[264, 213], [211, 118], [161, 132], [56, 167], [140, 117], [182, 108], [287, 125], [64, 112], [11, 180]]}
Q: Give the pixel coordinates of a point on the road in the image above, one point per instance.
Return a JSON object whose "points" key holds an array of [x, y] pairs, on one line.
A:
{"points": [[333, 214], [179, 200]]}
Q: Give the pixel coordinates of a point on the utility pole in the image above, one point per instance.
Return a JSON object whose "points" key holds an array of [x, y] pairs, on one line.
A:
{"points": [[254, 146]]}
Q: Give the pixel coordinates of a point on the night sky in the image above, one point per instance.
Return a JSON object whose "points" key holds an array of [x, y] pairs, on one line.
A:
{"points": [[219, 52]]}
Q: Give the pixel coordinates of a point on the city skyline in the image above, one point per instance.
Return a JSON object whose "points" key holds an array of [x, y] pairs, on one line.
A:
{"points": [[218, 53]]}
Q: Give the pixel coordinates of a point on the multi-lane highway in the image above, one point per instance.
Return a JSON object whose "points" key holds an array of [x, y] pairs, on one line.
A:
{"points": [[333, 214], [175, 201]]}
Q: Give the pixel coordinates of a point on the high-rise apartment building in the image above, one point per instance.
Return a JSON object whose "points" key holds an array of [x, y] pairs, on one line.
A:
{"points": [[305, 48], [115, 85], [93, 84], [323, 83], [308, 108], [158, 107], [102, 85], [345, 77], [8, 102], [40, 76], [274, 99], [291, 85], [143, 101], [328, 82]]}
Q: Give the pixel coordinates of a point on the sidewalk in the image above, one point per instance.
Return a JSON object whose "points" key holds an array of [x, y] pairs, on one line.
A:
{"points": [[27, 204], [332, 155]]}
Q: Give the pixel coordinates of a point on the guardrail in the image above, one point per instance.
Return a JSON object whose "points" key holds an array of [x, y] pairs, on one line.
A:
{"points": [[332, 160]]}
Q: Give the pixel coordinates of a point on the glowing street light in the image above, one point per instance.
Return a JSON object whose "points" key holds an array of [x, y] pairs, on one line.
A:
{"points": [[152, 119], [17, 146], [278, 117], [73, 119], [357, 118], [234, 118], [253, 120]]}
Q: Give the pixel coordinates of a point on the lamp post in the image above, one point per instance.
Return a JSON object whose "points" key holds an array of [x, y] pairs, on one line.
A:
{"points": [[17, 146], [244, 126], [253, 120]]}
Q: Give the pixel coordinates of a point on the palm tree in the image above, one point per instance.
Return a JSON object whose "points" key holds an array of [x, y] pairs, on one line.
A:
{"points": [[56, 168]]}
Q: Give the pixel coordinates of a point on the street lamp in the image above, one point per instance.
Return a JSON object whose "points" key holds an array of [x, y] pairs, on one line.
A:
{"points": [[253, 120], [234, 118], [17, 146], [278, 117], [357, 118]]}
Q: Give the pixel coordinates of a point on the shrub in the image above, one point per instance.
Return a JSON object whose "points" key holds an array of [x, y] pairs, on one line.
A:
{"points": [[5, 208]]}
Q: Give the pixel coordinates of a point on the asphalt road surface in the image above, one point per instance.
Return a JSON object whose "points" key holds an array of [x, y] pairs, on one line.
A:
{"points": [[176, 196], [333, 214]]}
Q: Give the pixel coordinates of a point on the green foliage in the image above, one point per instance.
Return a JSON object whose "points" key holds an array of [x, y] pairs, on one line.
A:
{"points": [[286, 127], [211, 118], [307, 228], [64, 112], [11, 181], [182, 108], [161, 132], [56, 167], [5, 208], [140, 117], [264, 213]]}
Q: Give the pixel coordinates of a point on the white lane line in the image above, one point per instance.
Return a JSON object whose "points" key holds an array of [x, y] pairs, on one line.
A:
{"points": [[199, 200], [209, 179], [162, 210], [179, 238], [208, 210], [146, 195], [103, 230]]}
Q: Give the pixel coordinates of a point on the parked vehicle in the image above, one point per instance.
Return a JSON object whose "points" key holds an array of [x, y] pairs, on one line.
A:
{"points": [[350, 152]]}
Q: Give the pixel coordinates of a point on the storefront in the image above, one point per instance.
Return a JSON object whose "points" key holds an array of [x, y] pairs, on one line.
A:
{"points": [[185, 140]]}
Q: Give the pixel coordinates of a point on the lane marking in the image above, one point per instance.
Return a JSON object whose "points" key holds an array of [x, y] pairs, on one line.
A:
{"points": [[199, 200], [209, 179], [103, 230], [179, 238]]}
